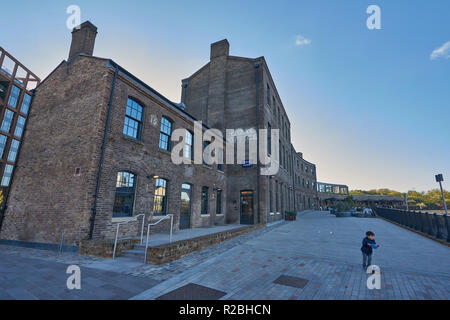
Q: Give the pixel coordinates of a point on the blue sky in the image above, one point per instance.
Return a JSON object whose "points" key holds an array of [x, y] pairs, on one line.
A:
{"points": [[369, 107]]}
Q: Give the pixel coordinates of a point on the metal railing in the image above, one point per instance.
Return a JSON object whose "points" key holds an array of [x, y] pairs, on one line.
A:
{"points": [[131, 219], [435, 225], [169, 216]]}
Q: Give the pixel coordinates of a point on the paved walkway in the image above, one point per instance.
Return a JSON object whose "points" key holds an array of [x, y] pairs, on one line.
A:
{"points": [[320, 250], [324, 251]]}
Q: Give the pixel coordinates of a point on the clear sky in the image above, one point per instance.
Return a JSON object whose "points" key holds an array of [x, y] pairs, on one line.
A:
{"points": [[370, 107]]}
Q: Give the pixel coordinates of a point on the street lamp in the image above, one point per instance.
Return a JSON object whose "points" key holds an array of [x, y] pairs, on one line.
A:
{"points": [[440, 178]]}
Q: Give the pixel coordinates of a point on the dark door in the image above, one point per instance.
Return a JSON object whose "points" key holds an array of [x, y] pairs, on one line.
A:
{"points": [[247, 207], [185, 210]]}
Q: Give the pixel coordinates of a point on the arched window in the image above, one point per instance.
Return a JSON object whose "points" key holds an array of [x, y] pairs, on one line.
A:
{"points": [[160, 199], [125, 192], [133, 120], [204, 200]]}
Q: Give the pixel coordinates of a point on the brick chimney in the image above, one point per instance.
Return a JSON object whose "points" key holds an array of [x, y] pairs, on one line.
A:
{"points": [[83, 40], [220, 48]]}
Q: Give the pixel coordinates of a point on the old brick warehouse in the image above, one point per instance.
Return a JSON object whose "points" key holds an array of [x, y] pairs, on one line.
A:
{"points": [[97, 151]]}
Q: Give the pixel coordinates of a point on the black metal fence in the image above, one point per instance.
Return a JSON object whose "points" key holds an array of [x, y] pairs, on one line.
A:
{"points": [[435, 225]]}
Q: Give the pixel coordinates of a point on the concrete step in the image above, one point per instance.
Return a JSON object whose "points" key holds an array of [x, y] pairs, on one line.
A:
{"points": [[136, 252]]}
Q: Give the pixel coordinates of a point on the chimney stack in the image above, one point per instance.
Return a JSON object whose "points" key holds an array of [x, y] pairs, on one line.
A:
{"points": [[83, 40], [220, 48]]}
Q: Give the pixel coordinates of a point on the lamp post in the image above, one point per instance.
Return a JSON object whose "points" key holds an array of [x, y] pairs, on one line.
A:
{"points": [[440, 178]]}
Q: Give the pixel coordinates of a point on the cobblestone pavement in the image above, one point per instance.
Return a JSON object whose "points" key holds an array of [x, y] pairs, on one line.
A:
{"points": [[324, 251]]}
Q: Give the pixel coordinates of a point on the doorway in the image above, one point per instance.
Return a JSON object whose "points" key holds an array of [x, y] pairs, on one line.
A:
{"points": [[247, 207]]}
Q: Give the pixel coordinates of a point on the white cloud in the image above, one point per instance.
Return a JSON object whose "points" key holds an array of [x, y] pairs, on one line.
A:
{"points": [[442, 52], [301, 41]]}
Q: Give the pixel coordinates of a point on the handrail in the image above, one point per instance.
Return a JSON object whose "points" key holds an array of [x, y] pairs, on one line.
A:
{"points": [[135, 218], [154, 224]]}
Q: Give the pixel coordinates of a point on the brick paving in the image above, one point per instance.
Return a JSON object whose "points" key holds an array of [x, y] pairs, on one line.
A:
{"points": [[324, 250], [318, 247]]}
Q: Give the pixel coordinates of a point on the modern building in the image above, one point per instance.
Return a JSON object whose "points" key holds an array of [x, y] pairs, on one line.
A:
{"points": [[330, 194], [16, 85], [98, 151]]}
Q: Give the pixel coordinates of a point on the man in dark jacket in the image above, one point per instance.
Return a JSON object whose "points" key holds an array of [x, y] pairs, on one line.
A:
{"points": [[368, 244]]}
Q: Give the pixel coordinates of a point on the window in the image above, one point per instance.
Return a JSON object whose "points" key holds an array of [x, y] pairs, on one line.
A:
{"points": [[7, 121], [13, 150], [14, 97], [280, 153], [189, 146], [3, 89], [270, 196], [165, 134], [204, 209], [19, 127], [160, 200], [133, 120], [269, 139], [125, 191], [273, 102], [219, 202], [268, 95], [277, 204], [2, 144], [6, 179], [25, 103], [205, 144]]}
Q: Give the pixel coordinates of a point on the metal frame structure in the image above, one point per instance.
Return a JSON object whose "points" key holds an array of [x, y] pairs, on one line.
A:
{"points": [[19, 76]]}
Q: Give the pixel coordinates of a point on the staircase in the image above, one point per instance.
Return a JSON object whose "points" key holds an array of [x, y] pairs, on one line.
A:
{"points": [[138, 252]]}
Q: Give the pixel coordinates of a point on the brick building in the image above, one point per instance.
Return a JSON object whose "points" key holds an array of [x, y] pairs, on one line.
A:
{"points": [[16, 85], [232, 92], [98, 150]]}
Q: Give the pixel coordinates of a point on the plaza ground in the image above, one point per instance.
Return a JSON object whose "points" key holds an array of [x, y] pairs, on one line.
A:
{"points": [[317, 257]]}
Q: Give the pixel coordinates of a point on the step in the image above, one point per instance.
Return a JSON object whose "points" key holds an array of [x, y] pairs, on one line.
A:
{"points": [[136, 252]]}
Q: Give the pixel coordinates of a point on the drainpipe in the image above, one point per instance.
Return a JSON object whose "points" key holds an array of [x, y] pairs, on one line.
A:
{"points": [[258, 166], [102, 157]]}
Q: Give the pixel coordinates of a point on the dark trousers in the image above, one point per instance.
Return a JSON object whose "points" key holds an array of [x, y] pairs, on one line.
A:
{"points": [[367, 260]]}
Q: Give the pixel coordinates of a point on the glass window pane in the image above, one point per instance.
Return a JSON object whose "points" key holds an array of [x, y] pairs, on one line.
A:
{"points": [[13, 150], [125, 192], [25, 103], [7, 121], [20, 127], [160, 198], [6, 179], [2, 144], [133, 119], [14, 96]]}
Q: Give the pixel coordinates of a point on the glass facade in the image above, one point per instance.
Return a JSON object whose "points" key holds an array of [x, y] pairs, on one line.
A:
{"points": [[16, 81]]}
